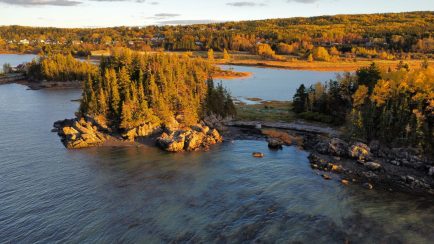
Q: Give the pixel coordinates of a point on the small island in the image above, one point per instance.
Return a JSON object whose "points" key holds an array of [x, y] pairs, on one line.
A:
{"points": [[130, 95]]}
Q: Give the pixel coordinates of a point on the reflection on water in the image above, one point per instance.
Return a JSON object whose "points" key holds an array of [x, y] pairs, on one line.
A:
{"points": [[272, 84], [144, 195], [15, 59]]}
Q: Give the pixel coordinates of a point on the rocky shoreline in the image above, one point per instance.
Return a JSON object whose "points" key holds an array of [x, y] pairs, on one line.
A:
{"points": [[352, 162], [333, 158], [87, 132], [373, 165]]}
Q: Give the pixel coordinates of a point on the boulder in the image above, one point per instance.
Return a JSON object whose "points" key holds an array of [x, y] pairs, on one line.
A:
{"points": [[338, 147], [79, 133], [326, 177], [322, 147], [359, 151], [258, 155], [373, 166], [194, 140], [275, 144], [375, 146], [431, 171], [190, 139], [368, 186]]}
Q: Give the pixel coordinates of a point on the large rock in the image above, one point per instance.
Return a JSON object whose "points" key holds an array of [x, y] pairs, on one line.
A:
{"points": [[359, 151], [143, 130], [79, 133], [431, 171], [338, 147], [334, 146], [275, 144], [190, 139], [215, 122], [373, 166]]}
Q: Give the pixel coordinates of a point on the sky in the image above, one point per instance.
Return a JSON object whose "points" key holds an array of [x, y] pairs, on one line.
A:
{"points": [[107, 13]]}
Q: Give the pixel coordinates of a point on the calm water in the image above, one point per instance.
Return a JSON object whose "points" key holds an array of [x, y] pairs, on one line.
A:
{"points": [[272, 84], [143, 195], [15, 59]]}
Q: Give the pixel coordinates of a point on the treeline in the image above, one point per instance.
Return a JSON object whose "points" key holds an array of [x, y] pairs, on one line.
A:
{"points": [[395, 107], [58, 67], [132, 89], [373, 35]]}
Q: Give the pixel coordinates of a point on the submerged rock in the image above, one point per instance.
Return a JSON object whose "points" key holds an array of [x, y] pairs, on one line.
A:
{"points": [[190, 139], [345, 182], [326, 177], [368, 186], [258, 155]]}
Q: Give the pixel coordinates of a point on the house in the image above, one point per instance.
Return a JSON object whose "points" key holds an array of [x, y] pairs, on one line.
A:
{"points": [[24, 42], [75, 42]]}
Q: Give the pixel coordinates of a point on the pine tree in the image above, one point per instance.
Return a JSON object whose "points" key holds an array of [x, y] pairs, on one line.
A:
{"points": [[211, 55], [115, 98], [299, 101], [226, 55], [310, 58], [126, 116]]}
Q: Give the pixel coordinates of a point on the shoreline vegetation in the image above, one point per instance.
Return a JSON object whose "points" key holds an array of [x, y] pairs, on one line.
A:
{"points": [[122, 106]]}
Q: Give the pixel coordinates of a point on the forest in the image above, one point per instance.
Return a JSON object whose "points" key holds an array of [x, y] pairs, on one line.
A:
{"points": [[129, 89], [395, 107], [383, 36]]}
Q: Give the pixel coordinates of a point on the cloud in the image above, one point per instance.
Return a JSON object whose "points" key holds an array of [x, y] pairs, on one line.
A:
{"points": [[139, 1], [166, 15], [245, 4], [161, 16], [187, 22], [42, 2], [29, 3]]}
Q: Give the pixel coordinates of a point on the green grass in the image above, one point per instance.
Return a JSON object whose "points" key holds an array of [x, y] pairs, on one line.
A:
{"points": [[269, 111]]}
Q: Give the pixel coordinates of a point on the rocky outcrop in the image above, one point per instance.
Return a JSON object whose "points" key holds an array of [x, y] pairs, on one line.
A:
{"points": [[79, 133], [143, 130], [216, 122], [334, 146], [380, 168], [190, 139]]}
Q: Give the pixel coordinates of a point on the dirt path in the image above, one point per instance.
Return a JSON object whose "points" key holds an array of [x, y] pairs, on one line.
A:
{"points": [[296, 126]]}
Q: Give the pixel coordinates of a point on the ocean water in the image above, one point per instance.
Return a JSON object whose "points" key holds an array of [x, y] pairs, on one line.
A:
{"points": [[271, 83], [140, 194], [15, 59]]}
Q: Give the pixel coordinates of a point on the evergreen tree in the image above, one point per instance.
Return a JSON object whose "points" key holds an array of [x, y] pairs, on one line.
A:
{"points": [[226, 55], [210, 55], [369, 76], [299, 101]]}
